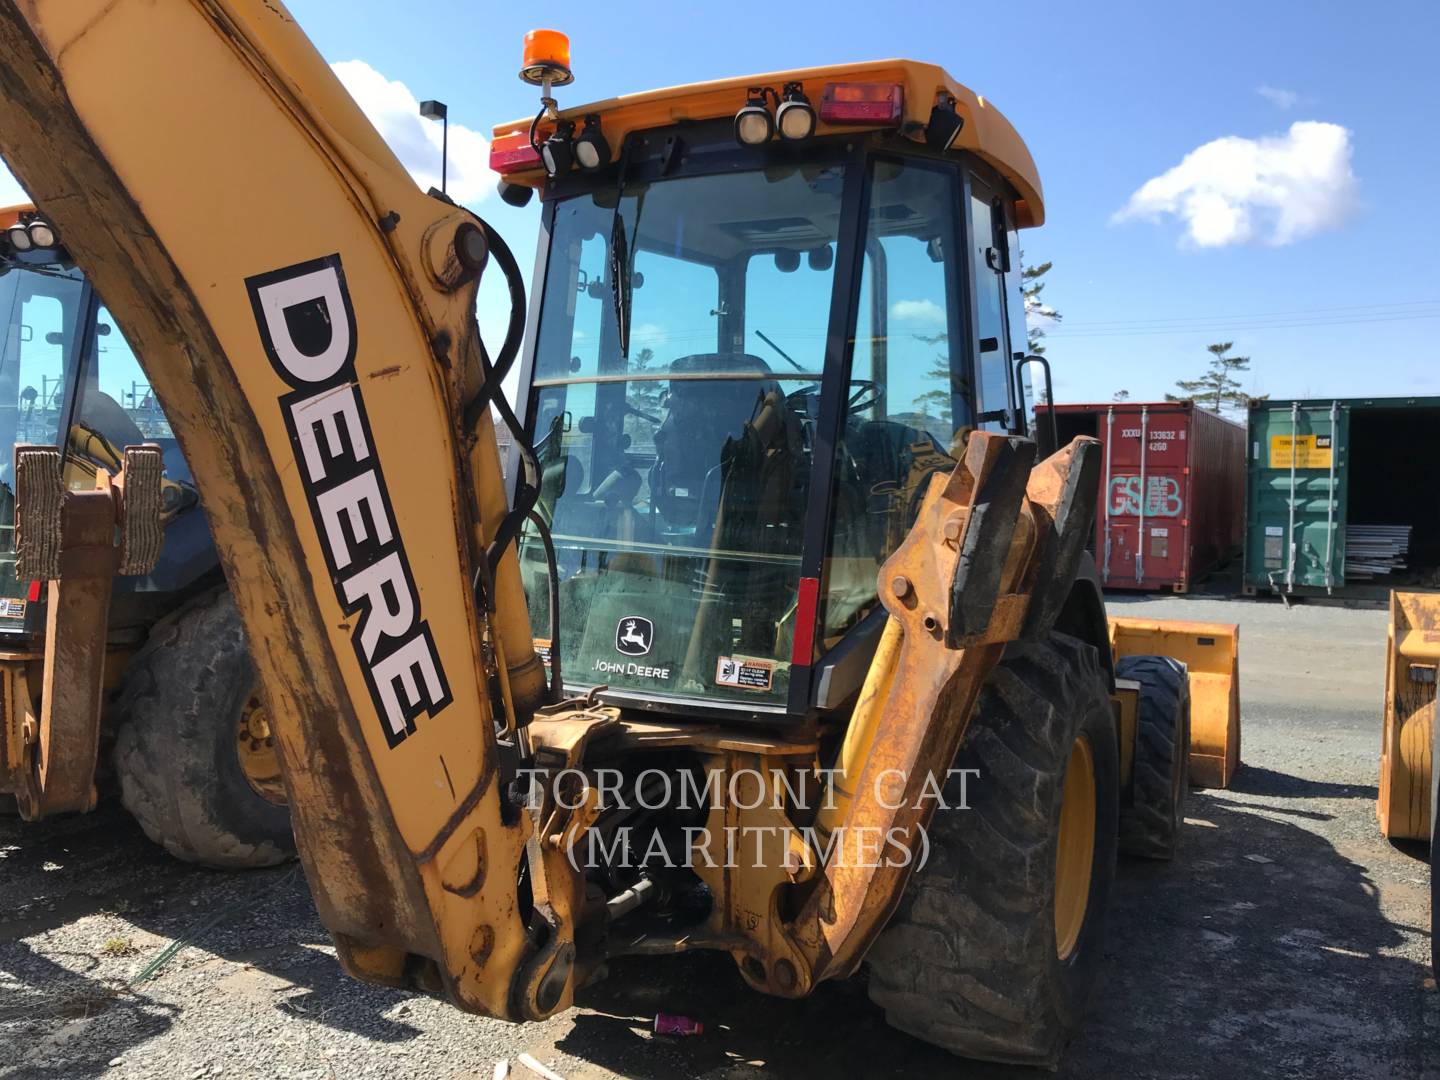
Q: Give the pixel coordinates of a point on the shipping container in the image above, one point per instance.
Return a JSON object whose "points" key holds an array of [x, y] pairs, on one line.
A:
{"points": [[1189, 463], [1342, 496]]}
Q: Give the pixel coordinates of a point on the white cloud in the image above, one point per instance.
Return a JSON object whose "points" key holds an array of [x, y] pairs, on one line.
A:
{"points": [[1272, 190], [918, 311], [1281, 99], [10, 190], [395, 112]]}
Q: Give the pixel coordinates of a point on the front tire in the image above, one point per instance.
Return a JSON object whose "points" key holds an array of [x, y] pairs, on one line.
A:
{"points": [[188, 701], [1150, 825], [996, 944]]}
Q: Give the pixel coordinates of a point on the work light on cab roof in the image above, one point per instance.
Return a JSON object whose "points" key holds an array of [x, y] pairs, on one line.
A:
{"points": [[30, 233], [753, 123], [793, 119], [19, 237], [592, 152]]}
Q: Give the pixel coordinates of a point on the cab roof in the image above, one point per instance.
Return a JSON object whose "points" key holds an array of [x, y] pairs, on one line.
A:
{"points": [[986, 133], [10, 215]]}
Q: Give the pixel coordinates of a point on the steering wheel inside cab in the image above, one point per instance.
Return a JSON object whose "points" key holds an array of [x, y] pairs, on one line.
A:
{"points": [[806, 399]]}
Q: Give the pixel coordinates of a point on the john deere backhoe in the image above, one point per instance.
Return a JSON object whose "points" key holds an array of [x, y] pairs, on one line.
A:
{"points": [[146, 687], [819, 674]]}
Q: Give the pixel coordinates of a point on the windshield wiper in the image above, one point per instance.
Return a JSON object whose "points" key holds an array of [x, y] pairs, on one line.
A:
{"points": [[788, 358], [620, 254], [620, 280]]}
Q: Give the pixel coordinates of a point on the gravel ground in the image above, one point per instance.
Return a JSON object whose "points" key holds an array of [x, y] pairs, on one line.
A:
{"points": [[1288, 940]]}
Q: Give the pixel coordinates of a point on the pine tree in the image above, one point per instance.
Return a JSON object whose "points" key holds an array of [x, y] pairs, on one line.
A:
{"points": [[1217, 388], [644, 401], [1122, 395], [1037, 312], [939, 398]]}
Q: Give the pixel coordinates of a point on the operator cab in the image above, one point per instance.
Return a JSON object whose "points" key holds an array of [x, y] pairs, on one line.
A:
{"points": [[749, 358], [68, 379]]}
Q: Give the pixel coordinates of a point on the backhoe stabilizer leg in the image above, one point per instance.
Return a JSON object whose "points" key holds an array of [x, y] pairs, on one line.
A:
{"points": [[76, 542], [989, 538]]}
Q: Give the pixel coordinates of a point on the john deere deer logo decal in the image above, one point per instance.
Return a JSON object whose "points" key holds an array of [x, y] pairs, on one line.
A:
{"points": [[633, 635]]}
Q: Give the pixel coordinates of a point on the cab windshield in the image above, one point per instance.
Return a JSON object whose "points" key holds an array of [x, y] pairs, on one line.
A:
{"points": [[675, 477]]}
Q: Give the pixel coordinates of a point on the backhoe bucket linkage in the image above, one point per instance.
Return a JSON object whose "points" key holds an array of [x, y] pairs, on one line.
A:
{"points": [[993, 543]]}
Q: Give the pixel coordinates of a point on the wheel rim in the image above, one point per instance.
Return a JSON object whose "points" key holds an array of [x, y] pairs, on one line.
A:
{"points": [[255, 749], [1075, 847]]}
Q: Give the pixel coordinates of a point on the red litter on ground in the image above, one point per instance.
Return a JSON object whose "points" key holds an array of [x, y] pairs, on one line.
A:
{"points": [[665, 1024]]}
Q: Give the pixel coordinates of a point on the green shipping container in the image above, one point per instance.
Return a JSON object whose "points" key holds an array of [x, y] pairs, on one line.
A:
{"points": [[1340, 496]]}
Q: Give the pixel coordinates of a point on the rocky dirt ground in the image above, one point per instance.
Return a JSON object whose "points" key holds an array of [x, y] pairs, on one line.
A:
{"points": [[1289, 939]]}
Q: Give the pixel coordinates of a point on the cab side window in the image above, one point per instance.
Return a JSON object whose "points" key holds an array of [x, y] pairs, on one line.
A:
{"points": [[989, 260], [909, 390]]}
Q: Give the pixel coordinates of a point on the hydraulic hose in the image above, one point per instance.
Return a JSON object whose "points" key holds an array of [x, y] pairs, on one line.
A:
{"points": [[557, 685], [527, 491], [527, 488]]}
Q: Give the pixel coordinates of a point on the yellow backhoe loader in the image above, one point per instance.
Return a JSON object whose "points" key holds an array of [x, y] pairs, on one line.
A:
{"points": [[146, 686], [820, 673]]}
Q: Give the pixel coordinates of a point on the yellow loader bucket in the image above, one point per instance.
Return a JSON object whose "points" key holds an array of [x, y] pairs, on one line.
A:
{"points": [[1211, 651], [1411, 658]]}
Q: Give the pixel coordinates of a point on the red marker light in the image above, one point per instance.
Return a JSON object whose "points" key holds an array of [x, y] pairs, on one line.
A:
{"points": [[513, 153], [802, 649], [33, 595], [862, 103]]}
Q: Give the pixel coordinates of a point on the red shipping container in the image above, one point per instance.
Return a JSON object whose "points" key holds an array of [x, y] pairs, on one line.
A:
{"points": [[1191, 465]]}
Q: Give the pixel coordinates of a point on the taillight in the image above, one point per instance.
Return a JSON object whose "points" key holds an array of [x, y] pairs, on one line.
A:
{"points": [[513, 153], [33, 593], [862, 103]]}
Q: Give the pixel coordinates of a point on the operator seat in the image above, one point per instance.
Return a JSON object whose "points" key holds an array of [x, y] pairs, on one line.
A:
{"points": [[702, 417]]}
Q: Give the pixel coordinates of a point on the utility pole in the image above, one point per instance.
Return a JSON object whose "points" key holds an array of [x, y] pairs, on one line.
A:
{"points": [[436, 110]]}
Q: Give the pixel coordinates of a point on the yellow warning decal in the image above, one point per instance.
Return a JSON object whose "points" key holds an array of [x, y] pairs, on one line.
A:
{"points": [[1310, 451]]}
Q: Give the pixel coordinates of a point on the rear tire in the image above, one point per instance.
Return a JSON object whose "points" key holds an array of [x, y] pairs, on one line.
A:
{"points": [[1150, 825], [971, 961], [176, 750]]}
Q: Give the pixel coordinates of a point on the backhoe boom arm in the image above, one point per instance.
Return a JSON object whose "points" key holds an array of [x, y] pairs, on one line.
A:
{"points": [[307, 367]]}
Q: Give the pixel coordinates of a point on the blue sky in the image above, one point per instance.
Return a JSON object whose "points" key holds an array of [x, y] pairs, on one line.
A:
{"points": [[1340, 297]]}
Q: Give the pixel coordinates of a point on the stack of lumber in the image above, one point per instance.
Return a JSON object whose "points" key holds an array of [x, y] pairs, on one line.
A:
{"points": [[1373, 550]]}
